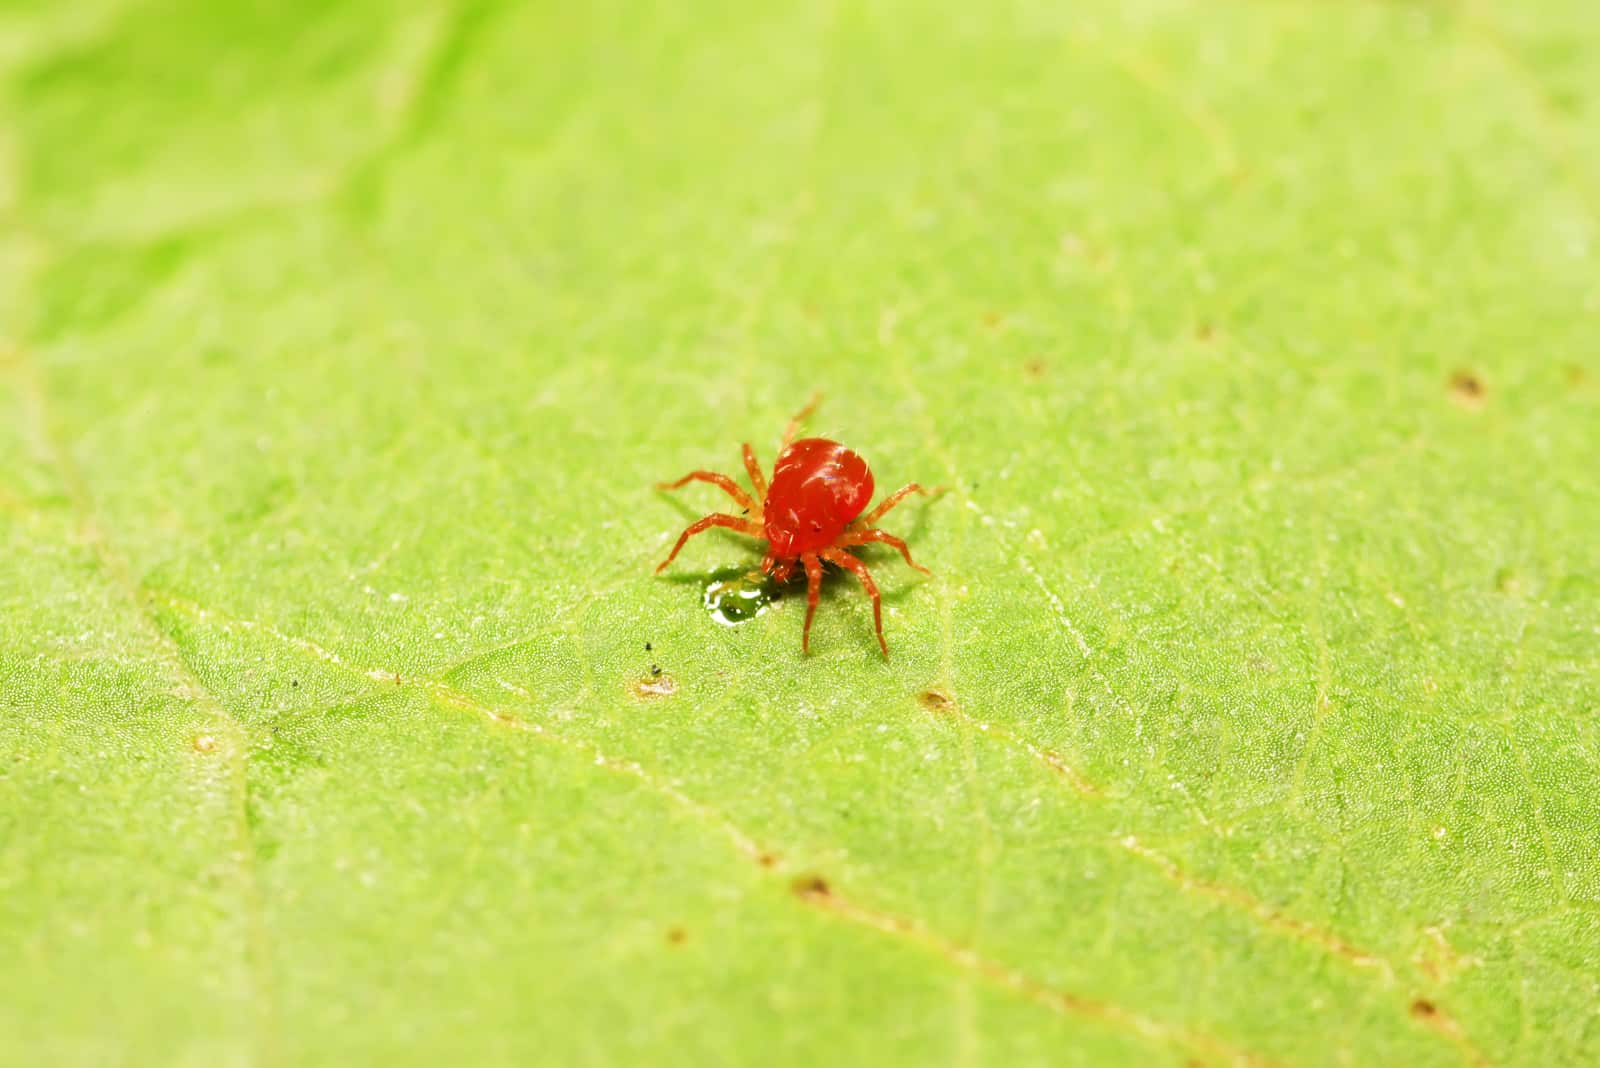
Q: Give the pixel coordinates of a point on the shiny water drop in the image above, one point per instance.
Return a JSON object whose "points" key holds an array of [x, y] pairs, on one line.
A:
{"points": [[739, 597]]}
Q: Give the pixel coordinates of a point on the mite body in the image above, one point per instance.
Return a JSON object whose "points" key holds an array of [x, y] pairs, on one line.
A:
{"points": [[813, 510]]}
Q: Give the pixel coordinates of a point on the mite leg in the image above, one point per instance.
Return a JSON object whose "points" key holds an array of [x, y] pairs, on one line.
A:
{"points": [[799, 417], [813, 568], [752, 467], [723, 482], [893, 499], [850, 563], [715, 519], [861, 537]]}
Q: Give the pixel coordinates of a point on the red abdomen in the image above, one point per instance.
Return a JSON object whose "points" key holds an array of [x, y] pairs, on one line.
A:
{"points": [[818, 487]]}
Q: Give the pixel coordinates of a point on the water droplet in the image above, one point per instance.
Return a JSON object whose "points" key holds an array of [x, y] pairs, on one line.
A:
{"points": [[738, 597]]}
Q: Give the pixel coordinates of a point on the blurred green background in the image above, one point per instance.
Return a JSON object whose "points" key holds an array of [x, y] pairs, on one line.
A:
{"points": [[1249, 718]]}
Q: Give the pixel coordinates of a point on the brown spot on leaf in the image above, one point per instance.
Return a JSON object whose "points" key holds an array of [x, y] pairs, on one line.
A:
{"points": [[1423, 1009], [936, 700], [654, 685], [1205, 330], [811, 888], [677, 936], [768, 860], [1468, 390], [1035, 369], [205, 743]]}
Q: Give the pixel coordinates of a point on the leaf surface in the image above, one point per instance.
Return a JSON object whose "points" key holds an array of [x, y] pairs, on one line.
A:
{"points": [[1249, 717]]}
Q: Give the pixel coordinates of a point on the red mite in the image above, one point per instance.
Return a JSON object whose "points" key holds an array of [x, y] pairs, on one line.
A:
{"points": [[811, 512]]}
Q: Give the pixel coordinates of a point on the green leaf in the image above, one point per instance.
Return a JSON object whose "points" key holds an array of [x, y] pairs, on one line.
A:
{"points": [[1249, 718]]}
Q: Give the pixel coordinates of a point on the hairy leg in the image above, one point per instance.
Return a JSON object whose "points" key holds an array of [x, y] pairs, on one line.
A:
{"points": [[850, 563], [752, 467], [813, 568], [799, 417], [723, 482], [861, 537], [893, 499], [715, 519]]}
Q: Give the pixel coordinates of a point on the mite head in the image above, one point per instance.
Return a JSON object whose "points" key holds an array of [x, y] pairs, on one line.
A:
{"points": [[818, 487]]}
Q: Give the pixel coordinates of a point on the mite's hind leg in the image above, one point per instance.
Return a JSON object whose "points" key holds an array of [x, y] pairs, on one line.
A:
{"points": [[861, 537], [799, 417], [893, 499], [752, 467], [852, 564]]}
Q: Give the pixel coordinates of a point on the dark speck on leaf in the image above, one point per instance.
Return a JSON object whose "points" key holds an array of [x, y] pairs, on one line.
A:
{"points": [[812, 887], [294, 682], [655, 669], [647, 647], [1467, 390]]}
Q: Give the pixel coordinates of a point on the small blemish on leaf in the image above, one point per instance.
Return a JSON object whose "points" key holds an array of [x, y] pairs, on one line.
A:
{"points": [[1035, 369], [205, 743], [1424, 1009], [811, 888], [768, 860], [677, 936], [295, 683], [1508, 582], [658, 684], [1468, 390], [936, 700]]}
